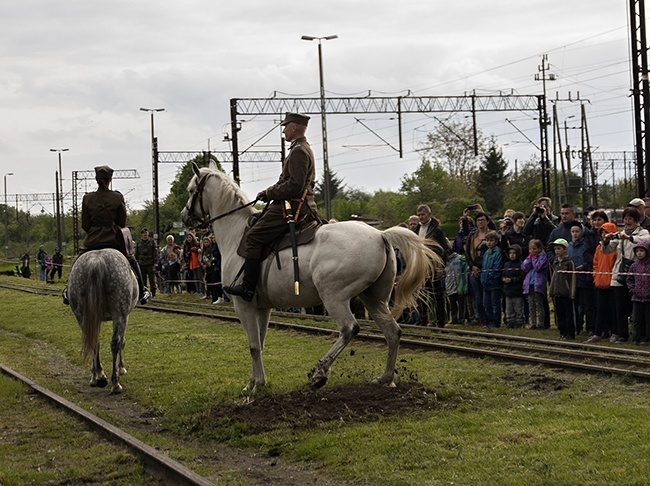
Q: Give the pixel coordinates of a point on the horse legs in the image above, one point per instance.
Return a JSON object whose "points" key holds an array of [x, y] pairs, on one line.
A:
{"points": [[117, 349], [98, 377], [380, 313], [255, 323], [348, 328]]}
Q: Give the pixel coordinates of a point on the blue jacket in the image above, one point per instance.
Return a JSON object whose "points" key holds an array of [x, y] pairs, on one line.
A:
{"points": [[492, 269], [583, 258]]}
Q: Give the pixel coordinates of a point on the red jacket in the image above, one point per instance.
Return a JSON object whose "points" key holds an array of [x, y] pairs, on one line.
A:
{"points": [[604, 263]]}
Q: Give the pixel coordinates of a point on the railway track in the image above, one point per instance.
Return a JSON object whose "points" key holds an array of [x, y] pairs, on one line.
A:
{"points": [[499, 344], [156, 463]]}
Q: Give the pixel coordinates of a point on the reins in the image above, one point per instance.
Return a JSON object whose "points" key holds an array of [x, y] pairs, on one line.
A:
{"points": [[199, 194]]}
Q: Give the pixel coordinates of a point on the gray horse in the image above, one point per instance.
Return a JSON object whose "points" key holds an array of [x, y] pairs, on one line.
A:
{"points": [[102, 287]]}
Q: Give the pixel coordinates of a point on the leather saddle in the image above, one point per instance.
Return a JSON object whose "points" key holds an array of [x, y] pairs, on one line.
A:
{"points": [[305, 232]]}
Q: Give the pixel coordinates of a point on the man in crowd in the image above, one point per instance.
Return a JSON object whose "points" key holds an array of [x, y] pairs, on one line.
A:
{"points": [[146, 253], [640, 204], [540, 222], [561, 231], [429, 227]]}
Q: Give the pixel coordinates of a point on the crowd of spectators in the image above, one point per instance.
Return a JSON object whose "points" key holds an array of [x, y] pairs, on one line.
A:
{"points": [[529, 271], [193, 266]]}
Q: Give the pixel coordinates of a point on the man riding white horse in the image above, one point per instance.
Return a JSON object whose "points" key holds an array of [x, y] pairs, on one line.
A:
{"points": [[295, 185], [103, 215]]}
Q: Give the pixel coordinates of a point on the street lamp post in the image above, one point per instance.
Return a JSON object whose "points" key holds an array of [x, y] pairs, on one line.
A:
{"points": [[60, 229], [154, 172], [7, 218], [326, 168]]}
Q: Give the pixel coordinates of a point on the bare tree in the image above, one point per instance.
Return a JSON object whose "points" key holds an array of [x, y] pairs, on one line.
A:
{"points": [[452, 145]]}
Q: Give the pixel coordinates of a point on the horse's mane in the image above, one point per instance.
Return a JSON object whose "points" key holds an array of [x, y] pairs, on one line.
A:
{"points": [[230, 193]]}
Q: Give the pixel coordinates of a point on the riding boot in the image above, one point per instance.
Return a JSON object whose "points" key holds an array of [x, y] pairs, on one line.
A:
{"points": [[143, 292], [246, 289]]}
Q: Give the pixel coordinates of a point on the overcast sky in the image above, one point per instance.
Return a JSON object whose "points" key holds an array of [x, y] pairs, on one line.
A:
{"points": [[74, 73]]}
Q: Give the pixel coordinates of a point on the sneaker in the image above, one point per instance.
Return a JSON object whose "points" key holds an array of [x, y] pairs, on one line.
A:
{"points": [[621, 339], [203, 298], [219, 301], [594, 339], [613, 338]]}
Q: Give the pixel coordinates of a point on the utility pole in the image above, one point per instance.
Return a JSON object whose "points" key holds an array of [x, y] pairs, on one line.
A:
{"points": [[640, 94], [60, 228], [154, 173], [546, 180]]}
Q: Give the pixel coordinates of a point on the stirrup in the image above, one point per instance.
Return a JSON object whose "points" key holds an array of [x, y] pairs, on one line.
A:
{"points": [[241, 291]]}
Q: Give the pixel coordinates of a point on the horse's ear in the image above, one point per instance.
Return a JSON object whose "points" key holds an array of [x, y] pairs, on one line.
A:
{"points": [[196, 170], [213, 166]]}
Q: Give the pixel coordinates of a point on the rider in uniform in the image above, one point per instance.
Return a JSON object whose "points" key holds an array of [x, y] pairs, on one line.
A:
{"points": [[102, 212], [295, 184]]}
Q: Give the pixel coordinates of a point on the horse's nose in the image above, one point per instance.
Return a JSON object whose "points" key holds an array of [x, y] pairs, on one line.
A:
{"points": [[185, 217]]}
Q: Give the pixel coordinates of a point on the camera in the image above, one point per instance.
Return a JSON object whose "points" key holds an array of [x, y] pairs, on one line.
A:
{"points": [[615, 236], [539, 210], [508, 221], [472, 207]]}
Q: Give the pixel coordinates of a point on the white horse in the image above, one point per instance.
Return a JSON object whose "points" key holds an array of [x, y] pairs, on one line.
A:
{"points": [[343, 260]]}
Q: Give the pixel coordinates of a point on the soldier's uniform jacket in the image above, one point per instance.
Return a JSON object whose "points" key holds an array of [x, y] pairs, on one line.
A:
{"points": [[100, 210], [298, 174], [145, 252]]}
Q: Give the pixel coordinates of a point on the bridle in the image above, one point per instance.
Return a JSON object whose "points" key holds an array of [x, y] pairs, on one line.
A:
{"points": [[205, 219]]}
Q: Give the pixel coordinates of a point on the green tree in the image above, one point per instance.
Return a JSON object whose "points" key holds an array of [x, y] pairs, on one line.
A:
{"points": [[492, 177], [391, 208], [524, 188], [336, 186], [173, 204]]}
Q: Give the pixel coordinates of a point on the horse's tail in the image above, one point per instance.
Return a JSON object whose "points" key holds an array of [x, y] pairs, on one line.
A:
{"points": [[94, 296], [420, 263]]}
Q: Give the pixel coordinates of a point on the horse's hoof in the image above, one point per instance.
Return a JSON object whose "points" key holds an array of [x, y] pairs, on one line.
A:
{"points": [[319, 382], [116, 390], [122, 371], [388, 384], [101, 382]]}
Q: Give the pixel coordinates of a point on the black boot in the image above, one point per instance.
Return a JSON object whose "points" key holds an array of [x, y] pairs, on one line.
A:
{"points": [[143, 292], [246, 289]]}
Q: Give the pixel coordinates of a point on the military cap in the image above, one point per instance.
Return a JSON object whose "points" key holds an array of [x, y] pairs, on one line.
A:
{"points": [[143, 230], [297, 118], [103, 172]]}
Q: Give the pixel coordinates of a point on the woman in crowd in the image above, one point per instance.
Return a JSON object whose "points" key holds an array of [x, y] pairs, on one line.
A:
{"points": [[622, 244]]}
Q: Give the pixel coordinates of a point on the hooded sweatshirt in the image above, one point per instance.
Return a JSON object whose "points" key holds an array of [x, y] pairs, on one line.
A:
{"points": [[604, 263], [638, 281]]}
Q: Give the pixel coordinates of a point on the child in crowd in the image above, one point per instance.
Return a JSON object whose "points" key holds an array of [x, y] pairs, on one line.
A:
{"points": [[491, 280], [173, 273], [563, 289], [603, 265], [583, 258], [513, 290], [456, 285], [638, 281], [536, 268]]}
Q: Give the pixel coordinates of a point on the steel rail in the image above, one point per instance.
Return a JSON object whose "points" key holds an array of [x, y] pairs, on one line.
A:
{"points": [[155, 462]]}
